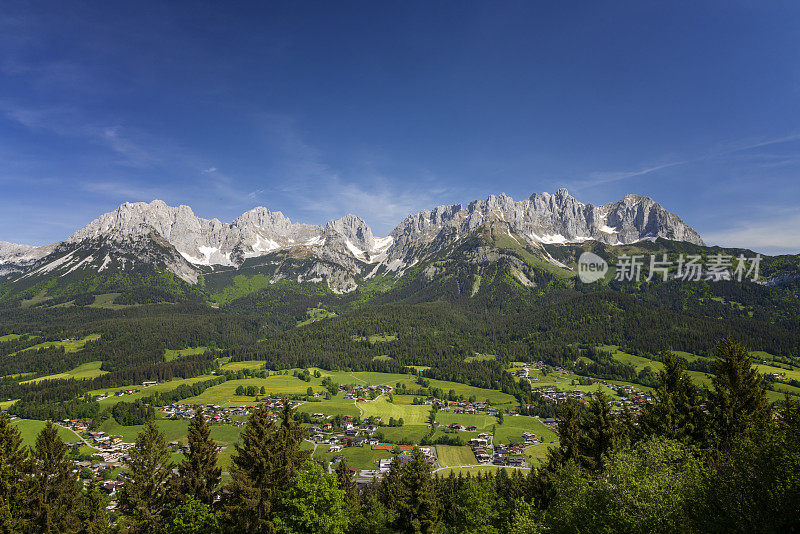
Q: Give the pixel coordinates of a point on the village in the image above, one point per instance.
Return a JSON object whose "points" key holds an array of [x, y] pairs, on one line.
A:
{"points": [[333, 436]]}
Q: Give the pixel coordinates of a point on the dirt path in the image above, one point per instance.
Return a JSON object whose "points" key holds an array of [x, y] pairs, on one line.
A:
{"points": [[79, 436]]}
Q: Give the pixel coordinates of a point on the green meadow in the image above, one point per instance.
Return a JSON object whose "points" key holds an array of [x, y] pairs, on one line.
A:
{"points": [[85, 370]]}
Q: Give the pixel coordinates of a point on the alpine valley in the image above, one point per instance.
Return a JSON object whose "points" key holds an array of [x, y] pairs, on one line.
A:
{"points": [[497, 276], [466, 331]]}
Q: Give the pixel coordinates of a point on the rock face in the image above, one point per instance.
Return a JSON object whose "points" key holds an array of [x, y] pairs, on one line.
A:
{"points": [[543, 218], [175, 238], [10, 250], [16, 258], [211, 242]]}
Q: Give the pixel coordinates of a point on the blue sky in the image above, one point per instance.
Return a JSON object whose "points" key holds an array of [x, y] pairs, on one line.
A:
{"points": [[385, 108]]}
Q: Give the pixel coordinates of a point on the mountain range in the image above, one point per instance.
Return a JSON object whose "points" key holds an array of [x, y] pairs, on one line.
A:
{"points": [[343, 251]]}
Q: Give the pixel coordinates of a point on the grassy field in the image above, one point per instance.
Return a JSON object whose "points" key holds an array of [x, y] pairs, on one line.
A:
{"points": [[638, 362], [336, 406], [564, 381], [513, 427], [173, 430], [315, 314], [171, 354], [496, 398], [242, 285], [375, 379], [700, 378], [29, 429], [69, 346], [411, 414], [9, 337], [381, 358], [225, 393], [224, 435], [143, 391], [405, 433], [480, 358], [791, 374], [359, 457], [537, 454], [106, 300], [482, 421], [760, 355], [238, 366], [688, 356], [450, 455], [40, 297], [86, 370]]}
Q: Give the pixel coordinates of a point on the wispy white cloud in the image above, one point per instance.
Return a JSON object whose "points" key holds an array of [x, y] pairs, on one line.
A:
{"points": [[605, 177], [777, 234], [69, 122], [722, 150]]}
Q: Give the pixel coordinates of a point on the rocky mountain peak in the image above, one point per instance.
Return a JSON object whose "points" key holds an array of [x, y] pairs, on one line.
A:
{"points": [[354, 229], [12, 249], [346, 247]]}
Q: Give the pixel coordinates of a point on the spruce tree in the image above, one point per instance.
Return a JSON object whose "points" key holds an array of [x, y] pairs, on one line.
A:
{"points": [[390, 488], [676, 412], [599, 433], [345, 482], [12, 465], [248, 505], [265, 461], [198, 474], [417, 507], [92, 510], [738, 401], [570, 431], [144, 496], [289, 440], [53, 489]]}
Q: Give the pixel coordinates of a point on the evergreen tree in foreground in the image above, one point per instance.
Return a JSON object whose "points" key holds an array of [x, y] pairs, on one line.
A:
{"points": [[290, 455], [198, 474], [570, 419], [144, 495], [600, 432], [12, 465], [738, 402], [248, 506], [416, 504], [675, 412], [345, 482], [53, 490], [92, 512], [265, 461]]}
